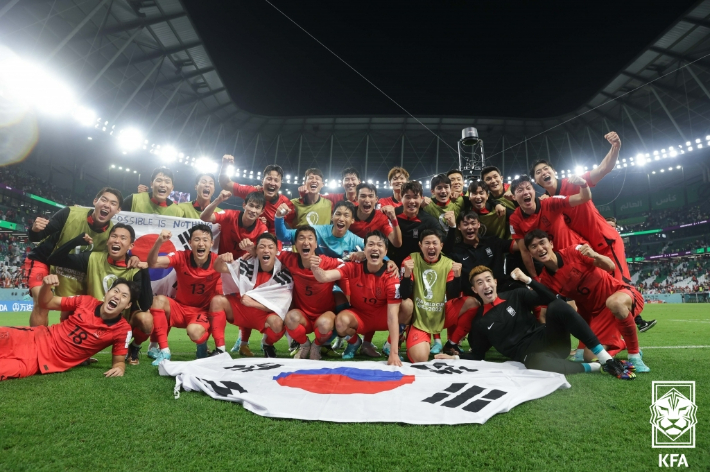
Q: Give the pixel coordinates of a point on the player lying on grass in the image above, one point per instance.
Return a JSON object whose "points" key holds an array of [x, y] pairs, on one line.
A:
{"points": [[103, 267], [197, 283], [264, 295], [608, 305], [374, 296], [93, 326], [431, 297], [507, 323]]}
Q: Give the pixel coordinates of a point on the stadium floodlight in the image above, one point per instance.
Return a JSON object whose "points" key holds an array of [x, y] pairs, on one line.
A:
{"points": [[334, 184], [697, 140], [30, 85], [168, 153], [130, 139], [700, 146], [205, 164], [578, 170], [85, 116]]}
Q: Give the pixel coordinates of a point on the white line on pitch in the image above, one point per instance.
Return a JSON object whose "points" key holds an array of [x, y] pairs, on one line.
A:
{"points": [[674, 347]]}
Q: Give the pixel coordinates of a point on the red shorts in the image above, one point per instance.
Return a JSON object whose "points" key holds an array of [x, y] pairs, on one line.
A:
{"points": [[369, 322], [452, 308], [605, 326], [33, 272], [616, 252], [183, 315], [245, 317], [18, 352]]}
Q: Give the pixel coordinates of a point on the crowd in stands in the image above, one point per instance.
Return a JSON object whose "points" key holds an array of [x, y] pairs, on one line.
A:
{"points": [[667, 218], [672, 276]]}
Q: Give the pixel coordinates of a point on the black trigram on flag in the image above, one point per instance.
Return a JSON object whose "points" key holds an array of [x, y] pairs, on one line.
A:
{"points": [[184, 238], [284, 277], [227, 388], [451, 398], [246, 269]]}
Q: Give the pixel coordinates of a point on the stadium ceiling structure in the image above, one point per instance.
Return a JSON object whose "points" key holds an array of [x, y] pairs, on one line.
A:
{"points": [[141, 63]]}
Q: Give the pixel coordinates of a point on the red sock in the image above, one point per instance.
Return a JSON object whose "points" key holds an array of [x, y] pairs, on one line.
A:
{"points": [[218, 323], [204, 338], [139, 337], [322, 338], [160, 327], [298, 334], [463, 326], [272, 336], [367, 337], [437, 336], [450, 332], [627, 328], [246, 334], [353, 339]]}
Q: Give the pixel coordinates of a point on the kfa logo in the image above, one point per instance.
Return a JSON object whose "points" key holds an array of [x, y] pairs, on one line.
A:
{"points": [[545, 222], [451, 398], [673, 414], [672, 460], [510, 310], [489, 252]]}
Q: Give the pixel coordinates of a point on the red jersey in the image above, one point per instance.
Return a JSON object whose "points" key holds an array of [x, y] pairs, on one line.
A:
{"points": [[579, 279], [585, 219], [549, 218], [376, 221], [232, 231], [389, 201], [69, 343], [242, 191], [309, 295], [196, 284], [370, 291]]}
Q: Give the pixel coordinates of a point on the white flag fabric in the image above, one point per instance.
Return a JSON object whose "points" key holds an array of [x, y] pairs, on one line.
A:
{"points": [[435, 392], [274, 294]]}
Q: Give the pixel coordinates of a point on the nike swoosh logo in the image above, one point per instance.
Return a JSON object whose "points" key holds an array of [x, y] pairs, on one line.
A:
{"points": [[491, 325], [466, 258]]}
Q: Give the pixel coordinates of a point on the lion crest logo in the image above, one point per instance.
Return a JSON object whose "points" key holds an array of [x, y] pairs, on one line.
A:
{"points": [[673, 414]]}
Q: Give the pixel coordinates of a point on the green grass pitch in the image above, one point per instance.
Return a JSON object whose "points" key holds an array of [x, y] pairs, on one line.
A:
{"points": [[79, 420]]}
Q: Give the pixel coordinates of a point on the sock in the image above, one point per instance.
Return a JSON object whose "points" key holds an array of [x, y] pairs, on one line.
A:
{"points": [[354, 339], [153, 344], [463, 326], [437, 336], [580, 353], [342, 307], [298, 334], [367, 337], [165, 350], [204, 339], [638, 320], [160, 327], [627, 328], [272, 336], [593, 367], [323, 338], [218, 323], [601, 353], [450, 332], [246, 333], [139, 337]]}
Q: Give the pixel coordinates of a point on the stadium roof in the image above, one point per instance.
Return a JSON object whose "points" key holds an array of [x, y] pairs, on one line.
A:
{"points": [[142, 63]]}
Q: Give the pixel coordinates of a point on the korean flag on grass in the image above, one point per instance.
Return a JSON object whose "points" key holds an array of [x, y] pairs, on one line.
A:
{"points": [[436, 392]]}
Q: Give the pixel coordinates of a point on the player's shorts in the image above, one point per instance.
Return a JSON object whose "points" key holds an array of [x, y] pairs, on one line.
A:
{"points": [[183, 315], [369, 322], [605, 325], [452, 308], [615, 251], [246, 317], [310, 315], [18, 352], [33, 272]]}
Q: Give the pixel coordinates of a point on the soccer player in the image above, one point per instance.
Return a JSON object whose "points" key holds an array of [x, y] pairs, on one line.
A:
{"points": [[270, 186], [457, 183], [397, 177], [57, 231], [101, 268], [506, 322], [313, 302], [428, 281], [533, 213], [237, 225], [441, 201], [93, 326], [413, 220], [197, 284], [367, 218], [493, 216], [204, 188], [351, 179], [374, 296], [584, 275], [312, 209], [585, 219], [263, 299], [157, 201], [499, 191]]}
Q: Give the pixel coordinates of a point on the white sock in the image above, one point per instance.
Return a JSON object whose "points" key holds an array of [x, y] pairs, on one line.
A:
{"points": [[594, 367], [635, 356], [221, 348], [153, 345], [165, 351], [603, 356]]}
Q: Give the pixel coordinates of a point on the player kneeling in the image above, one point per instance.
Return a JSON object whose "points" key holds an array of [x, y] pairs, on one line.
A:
{"points": [[507, 323], [93, 326], [374, 296], [264, 295]]}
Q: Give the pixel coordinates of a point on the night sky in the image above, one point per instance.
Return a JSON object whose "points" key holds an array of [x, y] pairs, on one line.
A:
{"points": [[475, 58]]}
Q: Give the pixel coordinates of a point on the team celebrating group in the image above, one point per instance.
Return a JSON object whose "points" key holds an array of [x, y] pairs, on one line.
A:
{"points": [[493, 262]]}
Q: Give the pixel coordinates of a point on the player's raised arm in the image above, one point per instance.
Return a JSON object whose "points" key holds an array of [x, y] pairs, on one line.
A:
{"points": [[283, 234], [395, 237], [221, 264], [118, 367], [154, 260], [527, 258], [603, 262], [323, 276], [224, 181], [42, 227], [207, 214], [585, 193], [609, 162], [46, 298]]}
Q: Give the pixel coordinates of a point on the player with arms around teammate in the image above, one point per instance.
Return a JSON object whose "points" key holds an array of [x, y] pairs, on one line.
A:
{"points": [[351, 179], [197, 284], [103, 267], [431, 296], [506, 322], [264, 294], [93, 326], [584, 275], [157, 201], [412, 221], [374, 296], [57, 231]]}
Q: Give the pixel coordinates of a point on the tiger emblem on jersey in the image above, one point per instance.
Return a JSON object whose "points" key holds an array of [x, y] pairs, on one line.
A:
{"points": [[673, 414]]}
